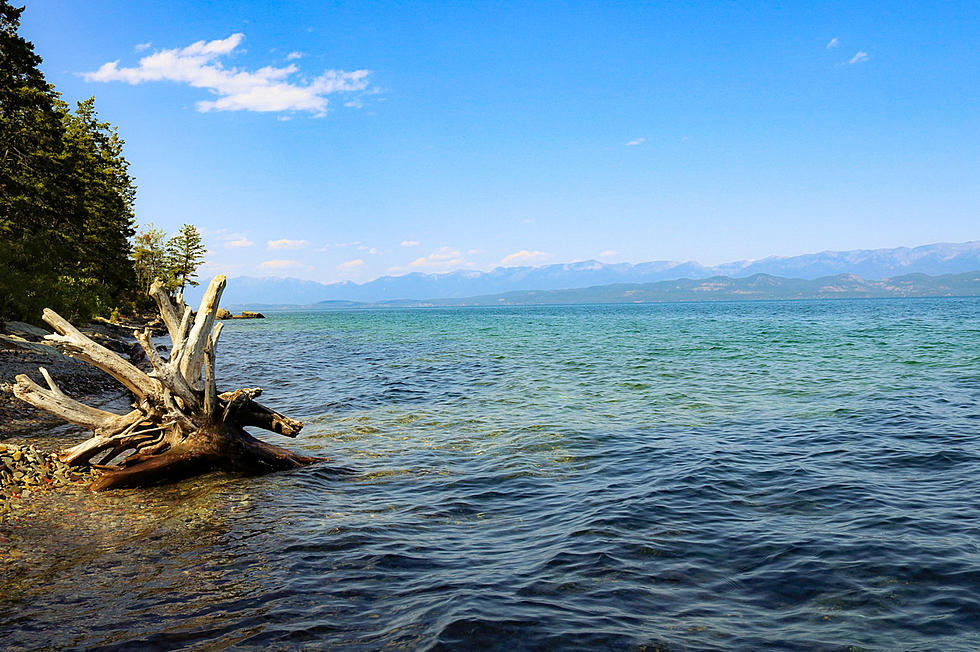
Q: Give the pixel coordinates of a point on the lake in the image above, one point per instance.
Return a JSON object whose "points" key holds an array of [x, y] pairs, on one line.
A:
{"points": [[756, 475]]}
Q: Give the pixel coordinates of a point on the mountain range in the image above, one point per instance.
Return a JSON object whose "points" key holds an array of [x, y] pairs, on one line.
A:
{"points": [[758, 287], [868, 264]]}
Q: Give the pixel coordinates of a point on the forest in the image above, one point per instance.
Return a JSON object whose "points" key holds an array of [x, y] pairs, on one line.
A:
{"points": [[68, 232]]}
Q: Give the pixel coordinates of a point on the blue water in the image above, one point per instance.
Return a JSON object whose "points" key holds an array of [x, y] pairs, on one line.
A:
{"points": [[778, 475]]}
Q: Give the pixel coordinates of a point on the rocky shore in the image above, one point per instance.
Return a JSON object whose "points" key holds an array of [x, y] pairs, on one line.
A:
{"points": [[26, 469], [23, 349]]}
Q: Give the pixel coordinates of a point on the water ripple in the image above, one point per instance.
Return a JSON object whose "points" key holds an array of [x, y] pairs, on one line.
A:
{"points": [[798, 476]]}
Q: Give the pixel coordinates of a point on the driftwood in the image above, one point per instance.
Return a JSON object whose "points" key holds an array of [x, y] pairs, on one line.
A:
{"points": [[181, 425]]}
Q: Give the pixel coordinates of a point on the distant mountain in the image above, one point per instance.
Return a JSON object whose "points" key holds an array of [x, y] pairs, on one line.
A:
{"points": [[248, 290], [873, 264], [757, 287]]}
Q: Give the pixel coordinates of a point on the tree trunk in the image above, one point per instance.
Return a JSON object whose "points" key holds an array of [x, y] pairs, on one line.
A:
{"points": [[180, 425]]}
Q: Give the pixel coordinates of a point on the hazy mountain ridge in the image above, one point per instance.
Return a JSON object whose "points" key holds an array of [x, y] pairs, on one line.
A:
{"points": [[870, 264], [758, 287]]}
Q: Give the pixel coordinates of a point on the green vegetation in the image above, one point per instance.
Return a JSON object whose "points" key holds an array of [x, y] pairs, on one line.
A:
{"points": [[185, 252], [174, 261], [66, 201]]}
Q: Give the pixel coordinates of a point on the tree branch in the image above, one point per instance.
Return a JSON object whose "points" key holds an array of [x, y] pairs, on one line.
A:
{"points": [[166, 372], [192, 355], [167, 310], [85, 349]]}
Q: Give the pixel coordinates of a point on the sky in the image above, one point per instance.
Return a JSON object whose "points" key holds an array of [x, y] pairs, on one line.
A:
{"points": [[337, 141]]}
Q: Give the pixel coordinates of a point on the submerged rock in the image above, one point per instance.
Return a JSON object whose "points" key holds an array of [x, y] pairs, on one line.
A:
{"points": [[24, 470]]}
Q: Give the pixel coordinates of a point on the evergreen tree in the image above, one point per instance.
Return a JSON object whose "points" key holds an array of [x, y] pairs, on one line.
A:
{"points": [[30, 142], [149, 258], [185, 252], [65, 195]]}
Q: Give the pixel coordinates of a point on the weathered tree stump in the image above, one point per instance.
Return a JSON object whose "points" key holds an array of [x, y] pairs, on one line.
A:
{"points": [[180, 425]]}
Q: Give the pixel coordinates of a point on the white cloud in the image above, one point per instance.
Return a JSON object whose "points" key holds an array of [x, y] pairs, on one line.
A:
{"points": [[139, 47], [284, 264], [637, 141], [292, 56], [240, 242], [350, 265], [834, 42], [410, 243], [524, 256], [266, 89], [441, 259], [287, 244], [347, 244], [858, 58], [607, 253]]}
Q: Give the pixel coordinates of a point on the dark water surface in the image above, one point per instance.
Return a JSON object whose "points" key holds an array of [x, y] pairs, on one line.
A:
{"points": [[789, 475]]}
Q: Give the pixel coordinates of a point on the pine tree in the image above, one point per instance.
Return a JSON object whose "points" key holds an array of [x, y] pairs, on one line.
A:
{"points": [[149, 258], [185, 253], [31, 139], [66, 196]]}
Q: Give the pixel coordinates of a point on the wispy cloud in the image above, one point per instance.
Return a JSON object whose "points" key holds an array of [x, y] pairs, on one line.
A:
{"points": [[607, 253], [524, 256], [442, 258], [410, 243], [287, 244], [240, 242], [858, 58], [834, 42], [351, 265], [292, 56], [637, 141], [266, 89], [139, 47]]}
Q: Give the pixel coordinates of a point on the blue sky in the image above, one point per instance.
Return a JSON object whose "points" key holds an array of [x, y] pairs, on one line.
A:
{"points": [[345, 141]]}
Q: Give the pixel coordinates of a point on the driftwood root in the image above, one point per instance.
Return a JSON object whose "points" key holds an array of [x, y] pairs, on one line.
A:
{"points": [[181, 425]]}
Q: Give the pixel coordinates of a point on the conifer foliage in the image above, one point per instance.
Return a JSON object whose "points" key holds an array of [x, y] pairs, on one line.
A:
{"points": [[174, 261], [185, 252], [66, 196]]}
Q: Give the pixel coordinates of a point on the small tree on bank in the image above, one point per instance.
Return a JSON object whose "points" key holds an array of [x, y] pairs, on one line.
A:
{"points": [[174, 261], [149, 257], [185, 253]]}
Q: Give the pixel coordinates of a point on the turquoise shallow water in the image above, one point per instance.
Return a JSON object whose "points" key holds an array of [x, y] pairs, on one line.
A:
{"points": [[784, 475]]}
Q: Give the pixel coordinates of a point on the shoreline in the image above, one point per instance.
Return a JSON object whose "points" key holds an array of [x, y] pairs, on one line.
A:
{"points": [[23, 350], [29, 437]]}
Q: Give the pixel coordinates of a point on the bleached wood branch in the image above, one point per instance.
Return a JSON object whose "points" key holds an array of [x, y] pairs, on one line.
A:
{"points": [[81, 347], [192, 355], [167, 310], [167, 372], [210, 382], [178, 344], [57, 402]]}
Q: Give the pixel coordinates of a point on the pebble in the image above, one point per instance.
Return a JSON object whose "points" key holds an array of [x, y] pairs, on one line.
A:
{"points": [[25, 471]]}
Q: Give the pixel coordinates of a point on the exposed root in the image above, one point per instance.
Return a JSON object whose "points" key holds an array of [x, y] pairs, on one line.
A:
{"points": [[182, 426]]}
